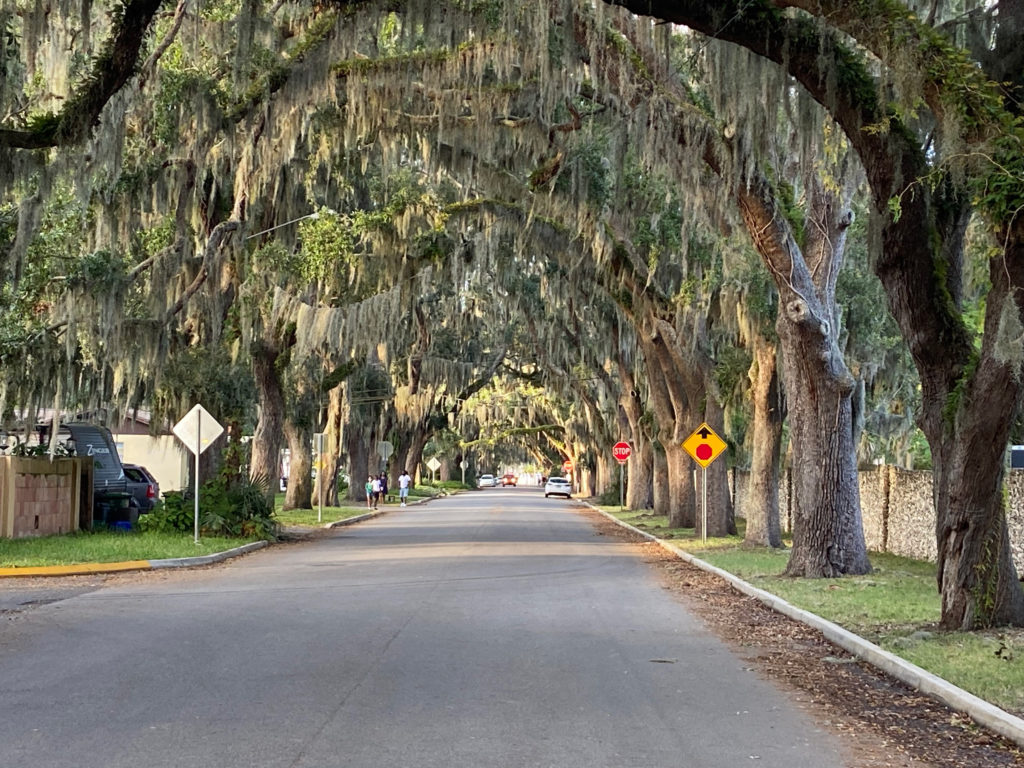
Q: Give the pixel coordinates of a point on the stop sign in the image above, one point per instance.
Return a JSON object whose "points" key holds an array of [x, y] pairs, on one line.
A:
{"points": [[621, 451], [567, 465]]}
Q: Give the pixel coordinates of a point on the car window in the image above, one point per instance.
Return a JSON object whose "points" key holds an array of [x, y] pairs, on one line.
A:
{"points": [[135, 475]]}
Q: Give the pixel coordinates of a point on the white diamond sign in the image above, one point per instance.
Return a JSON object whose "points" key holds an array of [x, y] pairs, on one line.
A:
{"points": [[198, 428], [434, 464]]}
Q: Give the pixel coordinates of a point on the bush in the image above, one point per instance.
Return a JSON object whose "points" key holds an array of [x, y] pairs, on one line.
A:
{"points": [[610, 497], [169, 515], [239, 509], [448, 485]]}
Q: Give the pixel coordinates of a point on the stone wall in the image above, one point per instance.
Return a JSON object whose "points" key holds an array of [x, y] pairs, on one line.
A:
{"points": [[897, 510], [911, 514]]}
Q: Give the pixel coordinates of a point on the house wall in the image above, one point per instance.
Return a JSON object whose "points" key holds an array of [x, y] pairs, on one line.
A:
{"points": [[163, 455]]}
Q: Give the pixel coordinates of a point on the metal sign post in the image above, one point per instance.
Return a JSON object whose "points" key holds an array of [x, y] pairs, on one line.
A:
{"points": [[320, 475], [190, 430], [704, 446], [622, 451], [197, 450], [704, 508], [622, 486]]}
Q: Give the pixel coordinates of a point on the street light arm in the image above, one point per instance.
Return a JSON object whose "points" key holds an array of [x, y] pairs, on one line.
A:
{"points": [[313, 215]]}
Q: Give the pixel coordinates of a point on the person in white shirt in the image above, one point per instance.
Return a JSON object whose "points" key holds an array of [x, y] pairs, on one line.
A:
{"points": [[376, 491], [403, 486]]}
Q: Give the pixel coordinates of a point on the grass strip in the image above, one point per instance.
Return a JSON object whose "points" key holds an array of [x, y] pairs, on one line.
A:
{"points": [[896, 606], [108, 547], [312, 517]]}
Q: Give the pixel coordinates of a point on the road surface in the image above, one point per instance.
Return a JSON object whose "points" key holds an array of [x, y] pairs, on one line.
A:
{"points": [[493, 628]]}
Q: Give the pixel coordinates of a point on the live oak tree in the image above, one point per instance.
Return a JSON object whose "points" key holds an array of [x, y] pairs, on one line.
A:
{"points": [[223, 153], [926, 171]]}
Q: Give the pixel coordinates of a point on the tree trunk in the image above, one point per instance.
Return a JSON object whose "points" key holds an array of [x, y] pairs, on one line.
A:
{"points": [[660, 488], [415, 456], [265, 461], [721, 518], [640, 464], [977, 579], [607, 474], [330, 461], [588, 484], [667, 415], [640, 471], [685, 504], [357, 445], [762, 501], [828, 533], [299, 493]]}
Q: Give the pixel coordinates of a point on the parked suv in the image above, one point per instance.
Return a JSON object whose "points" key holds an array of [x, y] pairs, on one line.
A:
{"points": [[143, 487]]}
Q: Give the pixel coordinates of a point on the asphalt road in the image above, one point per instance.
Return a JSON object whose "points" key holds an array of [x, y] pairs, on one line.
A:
{"points": [[488, 629]]}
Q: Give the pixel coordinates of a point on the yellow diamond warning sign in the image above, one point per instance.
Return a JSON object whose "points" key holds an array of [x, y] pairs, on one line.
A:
{"points": [[704, 446]]}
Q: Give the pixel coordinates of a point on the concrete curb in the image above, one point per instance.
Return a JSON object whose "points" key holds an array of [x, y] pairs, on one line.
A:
{"points": [[78, 569], [982, 712], [185, 562], [375, 513], [85, 569]]}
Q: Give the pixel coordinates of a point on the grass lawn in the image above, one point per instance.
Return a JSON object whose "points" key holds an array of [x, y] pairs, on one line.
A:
{"points": [[311, 517], [108, 547], [896, 606]]}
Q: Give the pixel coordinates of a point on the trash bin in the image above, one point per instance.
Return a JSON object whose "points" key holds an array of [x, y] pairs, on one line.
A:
{"points": [[113, 507]]}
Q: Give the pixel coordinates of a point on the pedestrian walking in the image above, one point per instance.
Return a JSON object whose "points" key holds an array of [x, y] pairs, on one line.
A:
{"points": [[403, 486], [369, 492], [375, 490], [383, 487]]}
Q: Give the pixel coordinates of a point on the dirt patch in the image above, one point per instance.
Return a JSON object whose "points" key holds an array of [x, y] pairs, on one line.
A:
{"points": [[882, 721]]}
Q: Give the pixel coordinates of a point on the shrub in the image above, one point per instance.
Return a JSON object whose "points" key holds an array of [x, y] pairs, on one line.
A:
{"points": [[169, 515], [610, 497], [241, 509], [448, 485]]}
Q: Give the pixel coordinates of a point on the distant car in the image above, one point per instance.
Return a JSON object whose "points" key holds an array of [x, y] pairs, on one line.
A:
{"points": [[486, 481], [558, 486], [143, 487], [509, 479]]}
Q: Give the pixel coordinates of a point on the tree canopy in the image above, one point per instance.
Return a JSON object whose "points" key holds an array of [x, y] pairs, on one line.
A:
{"points": [[551, 224]]}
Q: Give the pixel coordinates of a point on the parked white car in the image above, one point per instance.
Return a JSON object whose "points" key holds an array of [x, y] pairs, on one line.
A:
{"points": [[486, 481], [558, 486]]}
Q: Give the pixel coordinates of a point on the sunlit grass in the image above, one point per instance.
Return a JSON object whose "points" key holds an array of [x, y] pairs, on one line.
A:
{"points": [[313, 517], [896, 606], [108, 547]]}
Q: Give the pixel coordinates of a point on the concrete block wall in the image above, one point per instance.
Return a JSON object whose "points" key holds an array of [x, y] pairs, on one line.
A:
{"points": [[39, 497]]}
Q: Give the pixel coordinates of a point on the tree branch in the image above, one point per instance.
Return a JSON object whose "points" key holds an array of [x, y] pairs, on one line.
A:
{"points": [[111, 70]]}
